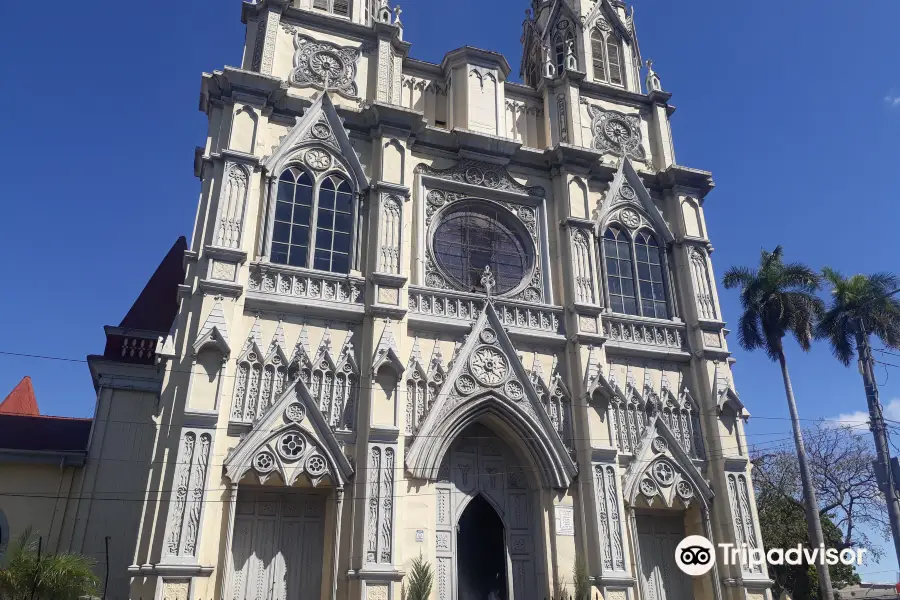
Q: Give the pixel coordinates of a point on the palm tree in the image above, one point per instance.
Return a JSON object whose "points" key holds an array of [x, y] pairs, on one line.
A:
{"points": [[420, 579], [866, 297], [28, 575], [860, 305], [779, 299]]}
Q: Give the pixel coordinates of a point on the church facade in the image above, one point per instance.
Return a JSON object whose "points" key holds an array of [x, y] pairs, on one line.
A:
{"points": [[428, 311]]}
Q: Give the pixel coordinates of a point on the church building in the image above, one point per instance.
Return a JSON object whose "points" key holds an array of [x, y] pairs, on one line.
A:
{"points": [[425, 311]]}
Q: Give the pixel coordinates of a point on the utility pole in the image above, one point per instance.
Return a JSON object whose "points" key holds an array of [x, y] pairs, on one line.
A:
{"points": [[879, 431]]}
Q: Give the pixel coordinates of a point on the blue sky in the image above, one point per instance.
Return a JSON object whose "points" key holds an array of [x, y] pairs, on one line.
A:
{"points": [[794, 107]]}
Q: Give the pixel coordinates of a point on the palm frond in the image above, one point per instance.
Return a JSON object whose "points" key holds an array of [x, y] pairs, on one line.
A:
{"points": [[800, 276], [832, 276], [738, 277], [420, 580]]}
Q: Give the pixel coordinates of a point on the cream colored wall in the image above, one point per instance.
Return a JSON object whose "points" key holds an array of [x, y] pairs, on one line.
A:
{"points": [[31, 499]]}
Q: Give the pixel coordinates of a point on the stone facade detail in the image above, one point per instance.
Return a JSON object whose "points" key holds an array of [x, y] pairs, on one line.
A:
{"points": [[583, 269], [744, 526], [609, 517], [325, 66], [232, 200], [423, 382], [616, 133], [391, 224], [380, 512], [188, 495], [706, 308]]}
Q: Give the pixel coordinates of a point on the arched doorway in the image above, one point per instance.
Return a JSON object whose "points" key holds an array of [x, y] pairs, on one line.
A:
{"points": [[487, 522], [481, 560]]}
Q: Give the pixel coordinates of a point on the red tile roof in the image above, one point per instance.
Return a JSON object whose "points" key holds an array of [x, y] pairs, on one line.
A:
{"points": [[21, 400]]}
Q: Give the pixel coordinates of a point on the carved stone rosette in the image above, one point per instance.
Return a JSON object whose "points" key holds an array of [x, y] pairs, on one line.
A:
{"points": [[616, 133], [325, 66]]}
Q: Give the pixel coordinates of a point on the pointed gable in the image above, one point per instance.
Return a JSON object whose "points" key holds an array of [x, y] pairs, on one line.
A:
{"points": [[662, 471], [320, 125], [386, 352], [627, 194], [21, 400], [213, 333], [291, 440], [487, 379], [604, 9]]}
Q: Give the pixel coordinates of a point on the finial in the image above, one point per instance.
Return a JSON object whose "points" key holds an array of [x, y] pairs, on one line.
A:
{"points": [[652, 80], [397, 12], [488, 281]]}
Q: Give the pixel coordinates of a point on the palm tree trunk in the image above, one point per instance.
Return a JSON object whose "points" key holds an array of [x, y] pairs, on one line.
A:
{"points": [[809, 494]]}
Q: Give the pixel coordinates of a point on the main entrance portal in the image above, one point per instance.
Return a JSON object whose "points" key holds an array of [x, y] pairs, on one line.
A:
{"points": [[485, 540], [658, 536], [481, 560]]}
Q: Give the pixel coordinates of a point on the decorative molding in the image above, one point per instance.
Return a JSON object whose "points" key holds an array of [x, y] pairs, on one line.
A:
{"points": [[636, 331], [565, 519], [325, 66], [609, 517], [481, 174], [706, 308], [582, 248], [468, 307], [563, 119], [186, 505], [380, 514], [616, 133], [232, 200], [742, 517], [281, 280], [390, 227]]}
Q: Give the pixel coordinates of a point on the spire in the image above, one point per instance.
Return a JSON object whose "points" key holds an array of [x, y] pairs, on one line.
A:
{"points": [[156, 306], [278, 337], [415, 355], [21, 400]]}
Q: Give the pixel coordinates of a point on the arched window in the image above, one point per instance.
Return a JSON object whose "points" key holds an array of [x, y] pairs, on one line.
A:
{"points": [[334, 223], [297, 229], [638, 259], [619, 272], [650, 278], [614, 58], [560, 52], [293, 211], [598, 49]]}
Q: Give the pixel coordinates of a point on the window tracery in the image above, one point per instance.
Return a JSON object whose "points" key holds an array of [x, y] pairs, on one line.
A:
{"points": [[606, 53], [629, 259], [340, 8], [313, 219]]}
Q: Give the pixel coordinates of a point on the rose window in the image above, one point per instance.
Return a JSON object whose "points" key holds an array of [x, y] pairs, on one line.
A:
{"points": [[291, 446], [664, 473], [316, 465], [488, 366], [472, 236], [264, 462]]}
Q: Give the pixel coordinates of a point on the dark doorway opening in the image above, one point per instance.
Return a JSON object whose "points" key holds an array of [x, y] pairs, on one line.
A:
{"points": [[481, 553]]}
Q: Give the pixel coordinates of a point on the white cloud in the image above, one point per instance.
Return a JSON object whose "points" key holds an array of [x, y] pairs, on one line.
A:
{"points": [[859, 419], [892, 101]]}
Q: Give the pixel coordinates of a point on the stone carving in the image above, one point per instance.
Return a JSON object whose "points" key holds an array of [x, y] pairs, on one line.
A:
{"points": [[423, 383], [584, 280], [514, 390], [295, 412], [630, 218], [231, 207], [272, 279], [465, 385], [390, 228], [563, 119], [318, 159], [619, 329], [325, 66], [616, 132], [380, 516], [608, 517], [179, 501], [663, 473], [488, 366], [376, 592], [703, 289], [652, 80], [198, 485], [176, 590], [291, 446], [264, 462], [481, 174], [659, 445]]}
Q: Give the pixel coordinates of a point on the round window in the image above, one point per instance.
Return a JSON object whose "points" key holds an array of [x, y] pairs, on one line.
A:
{"points": [[472, 236]]}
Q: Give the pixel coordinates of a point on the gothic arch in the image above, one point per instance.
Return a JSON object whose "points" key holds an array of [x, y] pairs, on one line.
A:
{"points": [[520, 431]]}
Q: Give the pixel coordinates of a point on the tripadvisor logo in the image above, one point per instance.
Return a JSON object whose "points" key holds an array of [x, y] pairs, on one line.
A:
{"points": [[695, 555]]}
